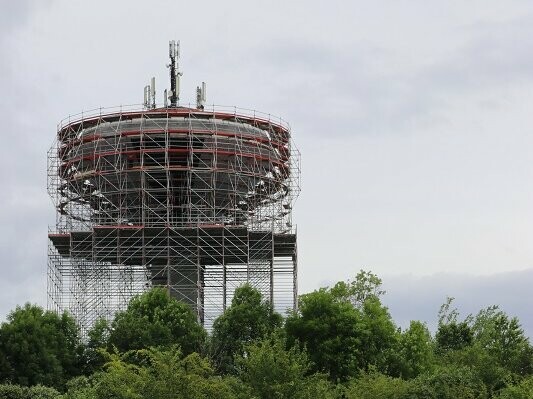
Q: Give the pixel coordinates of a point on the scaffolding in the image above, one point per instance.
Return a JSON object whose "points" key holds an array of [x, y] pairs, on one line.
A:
{"points": [[195, 200]]}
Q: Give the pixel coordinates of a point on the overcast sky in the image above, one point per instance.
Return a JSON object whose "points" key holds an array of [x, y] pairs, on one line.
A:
{"points": [[413, 119]]}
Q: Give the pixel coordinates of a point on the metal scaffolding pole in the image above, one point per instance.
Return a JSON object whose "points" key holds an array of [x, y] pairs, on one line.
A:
{"points": [[195, 200]]}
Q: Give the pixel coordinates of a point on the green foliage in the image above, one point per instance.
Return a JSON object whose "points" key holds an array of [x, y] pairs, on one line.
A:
{"points": [[487, 370], [41, 392], [80, 388], [9, 391], [414, 352], [156, 374], [5, 367], [154, 319], [247, 319], [453, 336], [330, 330], [342, 335], [366, 285], [448, 383], [375, 385], [377, 334], [491, 344], [504, 340], [272, 371], [98, 338], [522, 390], [40, 347], [448, 314], [341, 343]]}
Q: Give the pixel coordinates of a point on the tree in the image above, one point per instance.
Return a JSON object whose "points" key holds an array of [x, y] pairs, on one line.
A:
{"points": [[491, 344], [378, 335], [81, 388], [414, 351], [272, 371], [375, 385], [448, 314], [156, 374], [156, 319], [5, 367], [366, 285], [448, 383], [330, 330], [453, 336], [98, 338], [522, 390], [342, 334], [9, 391], [247, 319], [40, 347], [503, 338], [480, 362]]}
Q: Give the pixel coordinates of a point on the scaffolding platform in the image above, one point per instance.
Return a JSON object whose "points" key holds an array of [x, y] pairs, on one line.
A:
{"points": [[198, 201]]}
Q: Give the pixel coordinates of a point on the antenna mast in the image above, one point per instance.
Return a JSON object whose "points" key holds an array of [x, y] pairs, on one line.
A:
{"points": [[200, 96], [152, 91], [174, 54]]}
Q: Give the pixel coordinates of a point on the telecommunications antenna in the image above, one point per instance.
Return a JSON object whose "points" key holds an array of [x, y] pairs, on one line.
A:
{"points": [[174, 54], [146, 102], [152, 91], [200, 96]]}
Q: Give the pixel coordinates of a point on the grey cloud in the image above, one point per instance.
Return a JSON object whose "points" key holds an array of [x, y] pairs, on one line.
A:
{"points": [[419, 298], [411, 297], [365, 89], [14, 14], [25, 209]]}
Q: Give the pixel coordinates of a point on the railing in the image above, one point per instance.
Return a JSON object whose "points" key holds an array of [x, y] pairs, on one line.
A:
{"points": [[214, 109]]}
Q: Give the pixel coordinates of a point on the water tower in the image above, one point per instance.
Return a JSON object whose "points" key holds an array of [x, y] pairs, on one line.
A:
{"points": [[196, 199]]}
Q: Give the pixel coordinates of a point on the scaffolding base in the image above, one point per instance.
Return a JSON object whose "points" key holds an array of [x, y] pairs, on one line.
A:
{"points": [[93, 274]]}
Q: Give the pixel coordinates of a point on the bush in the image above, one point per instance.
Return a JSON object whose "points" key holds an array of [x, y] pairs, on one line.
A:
{"points": [[448, 383], [8, 391], [523, 390], [376, 386]]}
